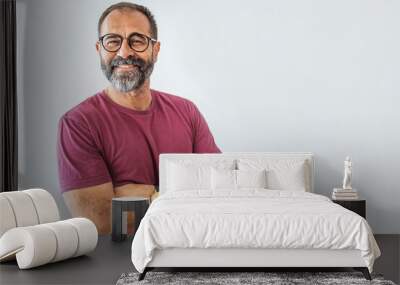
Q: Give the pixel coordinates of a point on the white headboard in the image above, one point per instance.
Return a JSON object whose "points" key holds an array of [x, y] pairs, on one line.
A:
{"points": [[170, 157]]}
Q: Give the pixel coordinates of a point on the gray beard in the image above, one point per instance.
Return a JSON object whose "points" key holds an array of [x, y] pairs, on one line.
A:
{"points": [[127, 81]]}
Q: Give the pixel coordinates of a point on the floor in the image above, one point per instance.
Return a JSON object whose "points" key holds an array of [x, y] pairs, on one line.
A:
{"points": [[389, 262], [110, 260], [104, 265]]}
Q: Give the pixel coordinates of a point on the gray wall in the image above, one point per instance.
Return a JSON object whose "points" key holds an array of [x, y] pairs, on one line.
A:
{"points": [[319, 76]]}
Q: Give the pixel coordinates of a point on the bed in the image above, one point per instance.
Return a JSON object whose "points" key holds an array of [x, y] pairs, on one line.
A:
{"points": [[246, 210]]}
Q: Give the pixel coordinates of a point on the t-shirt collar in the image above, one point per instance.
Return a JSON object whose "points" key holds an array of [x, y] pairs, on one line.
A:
{"points": [[149, 110]]}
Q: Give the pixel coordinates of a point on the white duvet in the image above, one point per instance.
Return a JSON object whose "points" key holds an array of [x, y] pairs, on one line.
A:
{"points": [[251, 218]]}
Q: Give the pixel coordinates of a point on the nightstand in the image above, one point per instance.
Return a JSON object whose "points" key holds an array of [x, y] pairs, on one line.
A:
{"points": [[120, 208], [357, 206]]}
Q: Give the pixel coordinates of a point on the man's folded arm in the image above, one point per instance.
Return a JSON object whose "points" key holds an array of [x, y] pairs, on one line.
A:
{"points": [[94, 202]]}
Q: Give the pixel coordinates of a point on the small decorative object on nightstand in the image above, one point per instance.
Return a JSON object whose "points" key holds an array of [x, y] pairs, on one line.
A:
{"points": [[348, 165], [120, 208], [346, 192], [357, 206]]}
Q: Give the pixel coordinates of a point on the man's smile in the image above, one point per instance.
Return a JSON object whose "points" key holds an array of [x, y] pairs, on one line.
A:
{"points": [[125, 67]]}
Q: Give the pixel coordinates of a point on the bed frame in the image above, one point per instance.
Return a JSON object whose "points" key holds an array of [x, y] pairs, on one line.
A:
{"points": [[242, 259]]}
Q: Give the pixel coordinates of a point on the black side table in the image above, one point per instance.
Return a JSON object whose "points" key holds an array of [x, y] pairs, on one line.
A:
{"points": [[120, 208], [357, 206]]}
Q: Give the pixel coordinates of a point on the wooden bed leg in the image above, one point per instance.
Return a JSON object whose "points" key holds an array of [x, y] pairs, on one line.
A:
{"points": [[143, 274], [364, 271]]}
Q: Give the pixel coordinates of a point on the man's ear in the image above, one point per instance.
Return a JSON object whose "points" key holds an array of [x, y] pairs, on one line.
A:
{"points": [[98, 46], [156, 50]]}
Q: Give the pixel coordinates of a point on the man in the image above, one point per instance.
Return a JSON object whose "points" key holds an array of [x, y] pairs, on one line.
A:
{"points": [[109, 145]]}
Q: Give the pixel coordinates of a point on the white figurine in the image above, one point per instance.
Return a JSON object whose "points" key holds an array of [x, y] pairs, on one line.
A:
{"points": [[347, 174]]}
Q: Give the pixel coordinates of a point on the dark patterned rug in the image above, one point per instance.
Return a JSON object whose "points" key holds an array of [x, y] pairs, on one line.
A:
{"points": [[269, 278]]}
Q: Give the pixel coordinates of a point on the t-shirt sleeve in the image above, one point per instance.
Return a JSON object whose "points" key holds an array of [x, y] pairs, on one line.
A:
{"points": [[203, 139], [80, 163]]}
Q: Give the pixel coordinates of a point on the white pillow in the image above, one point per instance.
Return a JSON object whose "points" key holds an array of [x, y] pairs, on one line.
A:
{"points": [[188, 177], [223, 179], [235, 179], [282, 174], [251, 178], [194, 173]]}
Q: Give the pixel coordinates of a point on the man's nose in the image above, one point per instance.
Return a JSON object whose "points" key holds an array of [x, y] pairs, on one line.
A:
{"points": [[125, 49]]}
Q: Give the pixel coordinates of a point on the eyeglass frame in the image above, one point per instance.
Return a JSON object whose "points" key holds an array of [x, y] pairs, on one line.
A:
{"points": [[149, 40]]}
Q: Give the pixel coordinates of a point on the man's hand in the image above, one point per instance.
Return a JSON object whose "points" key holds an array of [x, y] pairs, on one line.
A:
{"points": [[94, 202]]}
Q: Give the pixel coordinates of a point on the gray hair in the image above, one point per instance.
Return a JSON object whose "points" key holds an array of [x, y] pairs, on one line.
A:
{"points": [[134, 7]]}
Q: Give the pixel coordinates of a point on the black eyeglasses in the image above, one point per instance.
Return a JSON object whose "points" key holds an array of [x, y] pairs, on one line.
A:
{"points": [[136, 41]]}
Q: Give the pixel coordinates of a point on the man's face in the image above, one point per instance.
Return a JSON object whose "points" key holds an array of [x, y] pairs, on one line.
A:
{"points": [[127, 69]]}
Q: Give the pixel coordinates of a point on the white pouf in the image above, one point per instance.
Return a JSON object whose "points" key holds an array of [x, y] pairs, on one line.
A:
{"points": [[31, 233], [40, 244]]}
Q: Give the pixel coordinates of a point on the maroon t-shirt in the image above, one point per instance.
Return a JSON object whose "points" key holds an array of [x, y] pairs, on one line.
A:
{"points": [[101, 141]]}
